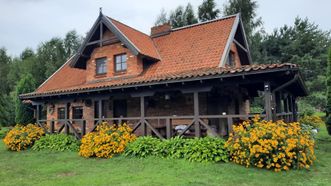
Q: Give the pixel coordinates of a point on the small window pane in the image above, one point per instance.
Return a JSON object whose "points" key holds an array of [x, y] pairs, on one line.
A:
{"points": [[61, 113], [118, 67], [77, 112], [120, 62], [123, 66], [101, 67], [124, 58]]}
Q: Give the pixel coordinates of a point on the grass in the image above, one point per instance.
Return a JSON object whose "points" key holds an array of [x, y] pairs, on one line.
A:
{"points": [[67, 168]]}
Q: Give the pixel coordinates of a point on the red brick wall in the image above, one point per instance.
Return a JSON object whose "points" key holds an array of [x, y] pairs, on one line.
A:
{"points": [[134, 63]]}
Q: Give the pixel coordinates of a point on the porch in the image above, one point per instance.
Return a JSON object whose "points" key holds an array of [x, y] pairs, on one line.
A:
{"points": [[191, 109]]}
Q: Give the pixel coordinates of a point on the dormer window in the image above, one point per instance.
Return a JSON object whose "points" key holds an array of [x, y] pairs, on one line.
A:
{"points": [[101, 66], [230, 61], [120, 63]]}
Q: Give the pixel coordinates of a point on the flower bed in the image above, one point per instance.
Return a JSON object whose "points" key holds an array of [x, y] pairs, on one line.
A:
{"points": [[271, 145]]}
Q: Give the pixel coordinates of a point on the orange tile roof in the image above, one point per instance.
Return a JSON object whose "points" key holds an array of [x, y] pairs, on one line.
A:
{"points": [[184, 53], [142, 41]]}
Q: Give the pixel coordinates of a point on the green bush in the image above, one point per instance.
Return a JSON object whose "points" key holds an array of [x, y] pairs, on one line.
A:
{"points": [[206, 149], [56, 142], [142, 147], [3, 132]]}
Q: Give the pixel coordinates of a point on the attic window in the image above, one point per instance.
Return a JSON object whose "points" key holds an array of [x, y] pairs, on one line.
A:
{"points": [[230, 61], [120, 62], [101, 67]]}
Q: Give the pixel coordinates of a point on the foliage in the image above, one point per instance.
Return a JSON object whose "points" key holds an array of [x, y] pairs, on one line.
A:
{"points": [[3, 132], [314, 121], [206, 149], [106, 141], [189, 16], [272, 145], [143, 147], [22, 137], [305, 108], [56, 142], [208, 11], [23, 111], [248, 11], [161, 18], [328, 93]]}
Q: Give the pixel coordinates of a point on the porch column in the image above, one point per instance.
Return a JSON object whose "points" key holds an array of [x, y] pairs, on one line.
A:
{"points": [[100, 110], [142, 115], [196, 114], [267, 101], [37, 113], [66, 117]]}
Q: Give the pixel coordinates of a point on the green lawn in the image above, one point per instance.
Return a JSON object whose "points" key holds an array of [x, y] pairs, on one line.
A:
{"points": [[43, 168]]}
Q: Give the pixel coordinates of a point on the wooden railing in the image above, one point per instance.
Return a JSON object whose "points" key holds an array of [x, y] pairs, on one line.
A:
{"points": [[159, 126]]}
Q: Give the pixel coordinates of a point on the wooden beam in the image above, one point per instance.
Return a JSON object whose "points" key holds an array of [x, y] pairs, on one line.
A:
{"points": [[242, 47], [196, 114], [267, 101], [142, 115], [101, 34]]}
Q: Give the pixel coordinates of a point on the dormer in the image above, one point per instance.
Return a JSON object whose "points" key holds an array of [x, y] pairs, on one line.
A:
{"points": [[114, 49]]}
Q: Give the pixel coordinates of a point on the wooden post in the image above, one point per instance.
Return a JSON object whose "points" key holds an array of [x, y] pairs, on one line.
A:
{"points": [[84, 128], [52, 126], [196, 114], [142, 115], [66, 117], [230, 123], [267, 101], [100, 110], [168, 128], [37, 113]]}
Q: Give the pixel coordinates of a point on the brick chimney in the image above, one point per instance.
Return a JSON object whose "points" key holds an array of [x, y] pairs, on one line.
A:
{"points": [[160, 30]]}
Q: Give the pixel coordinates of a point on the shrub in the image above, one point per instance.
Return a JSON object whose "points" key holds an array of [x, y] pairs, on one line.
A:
{"points": [[3, 132], [56, 142], [206, 149], [23, 137], [272, 145], [142, 147], [314, 121], [106, 141]]}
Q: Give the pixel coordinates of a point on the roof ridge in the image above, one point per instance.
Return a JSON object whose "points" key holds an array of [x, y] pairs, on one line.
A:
{"points": [[112, 19], [205, 22]]}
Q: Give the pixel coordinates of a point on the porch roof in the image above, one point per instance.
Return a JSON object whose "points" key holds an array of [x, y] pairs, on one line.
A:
{"points": [[147, 80]]}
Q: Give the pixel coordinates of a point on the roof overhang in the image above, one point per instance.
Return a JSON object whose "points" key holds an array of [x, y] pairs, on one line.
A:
{"points": [[299, 84]]}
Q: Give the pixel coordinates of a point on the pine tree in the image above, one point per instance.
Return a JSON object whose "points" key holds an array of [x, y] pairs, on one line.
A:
{"points": [[189, 16], [328, 86], [177, 17], [208, 11], [24, 112], [247, 9]]}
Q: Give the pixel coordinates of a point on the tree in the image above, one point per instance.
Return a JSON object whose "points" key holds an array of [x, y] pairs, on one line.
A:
{"points": [[176, 17], [247, 9], [208, 11], [24, 112], [328, 86], [189, 16], [161, 18], [71, 43], [4, 65]]}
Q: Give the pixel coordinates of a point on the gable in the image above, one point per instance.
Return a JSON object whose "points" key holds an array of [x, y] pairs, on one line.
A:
{"points": [[137, 42]]}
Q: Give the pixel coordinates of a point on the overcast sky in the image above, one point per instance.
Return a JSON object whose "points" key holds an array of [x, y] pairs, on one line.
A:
{"points": [[26, 23]]}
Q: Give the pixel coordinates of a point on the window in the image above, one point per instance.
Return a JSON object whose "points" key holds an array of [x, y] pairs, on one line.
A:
{"points": [[77, 112], [230, 61], [120, 63], [61, 113], [101, 67]]}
